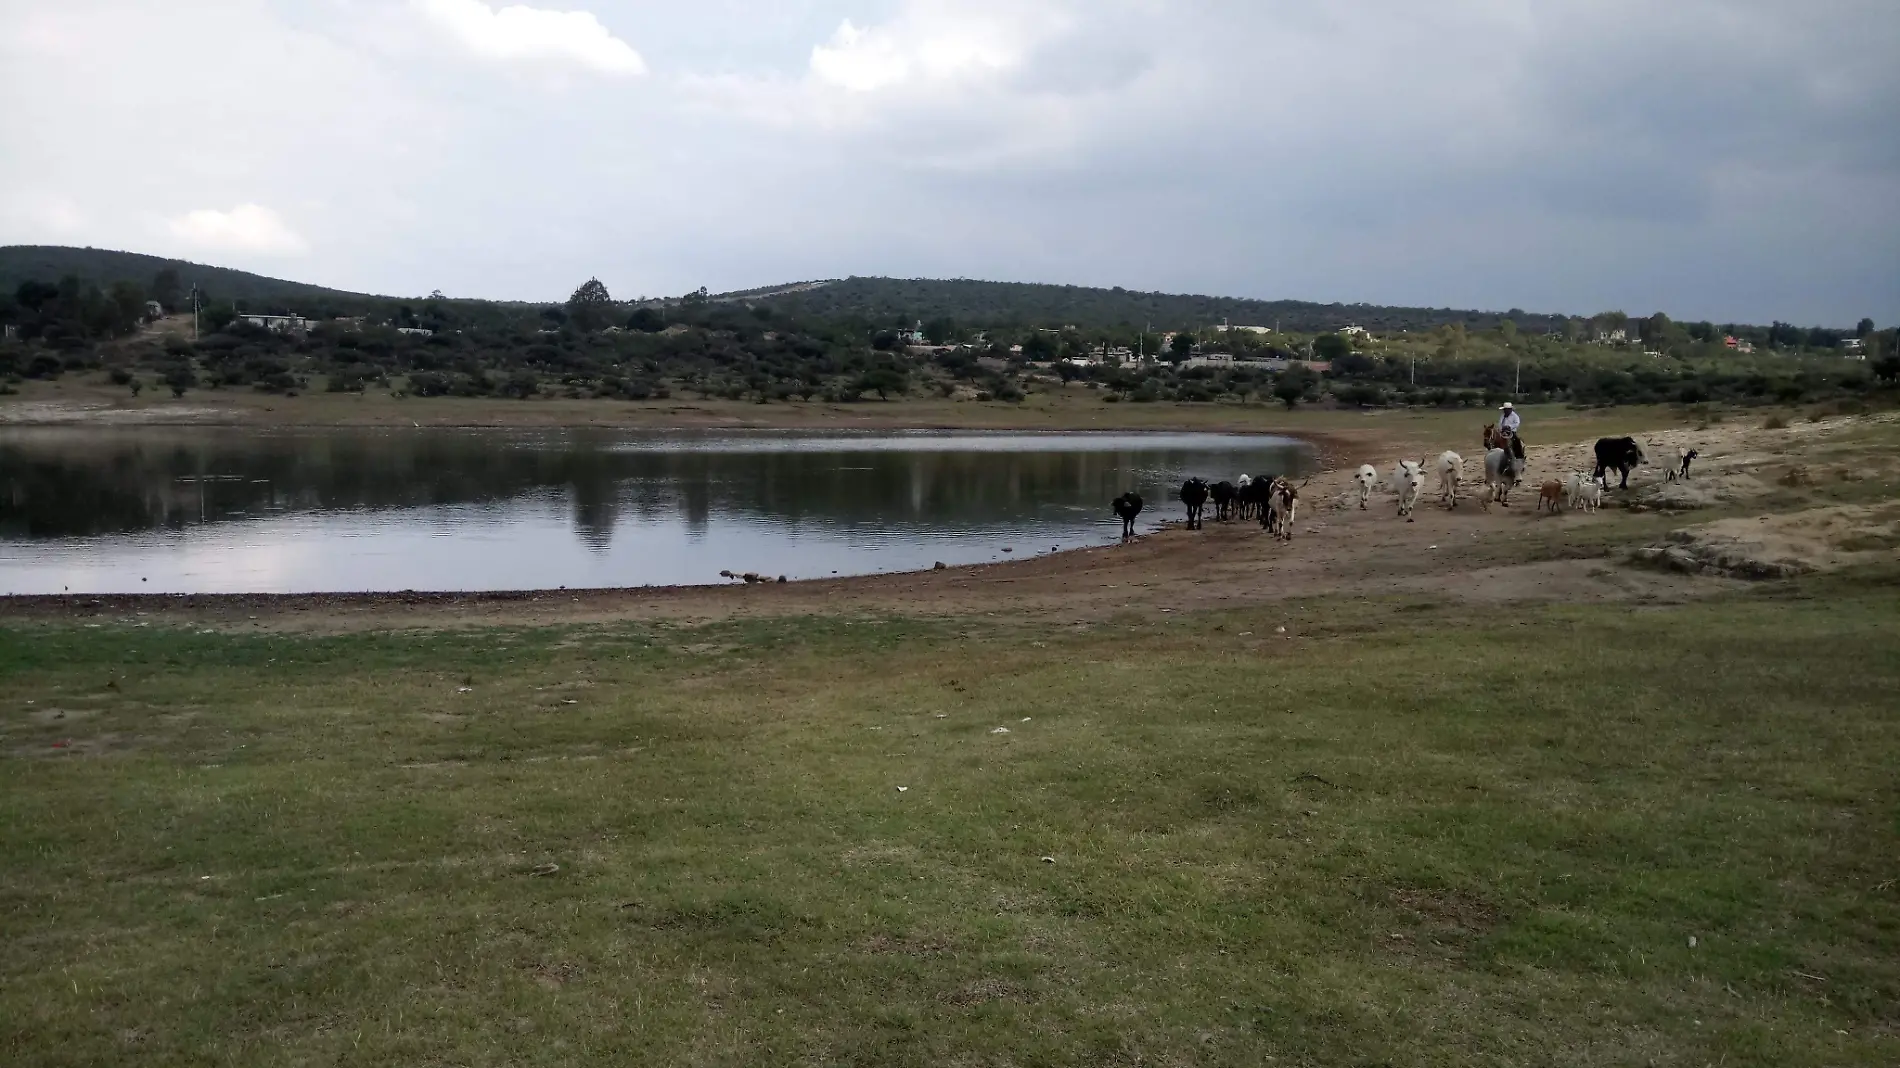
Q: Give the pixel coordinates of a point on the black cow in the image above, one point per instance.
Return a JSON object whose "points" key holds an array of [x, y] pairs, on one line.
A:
{"points": [[1255, 497], [1223, 493], [1128, 506], [1194, 495], [1621, 454]]}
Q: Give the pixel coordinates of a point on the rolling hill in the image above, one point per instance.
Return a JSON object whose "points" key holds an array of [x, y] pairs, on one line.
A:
{"points": [[884, 301], [898, 300], [50, 263]]}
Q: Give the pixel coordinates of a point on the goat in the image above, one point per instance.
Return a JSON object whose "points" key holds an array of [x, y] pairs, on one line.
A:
{"points": [[1592, 493], [1683, 460], [1573, 489], [1550, 494], [1366, 477]]}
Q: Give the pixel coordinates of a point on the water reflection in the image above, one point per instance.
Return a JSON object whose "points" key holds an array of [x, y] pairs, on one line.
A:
{"points": [[120, 510]]}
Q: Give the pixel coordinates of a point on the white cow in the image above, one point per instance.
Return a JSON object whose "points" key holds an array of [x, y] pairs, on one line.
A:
{"points": [[1451, 471], [1408, 481], [1367, 477], [1502, 473], [1283, 501]]}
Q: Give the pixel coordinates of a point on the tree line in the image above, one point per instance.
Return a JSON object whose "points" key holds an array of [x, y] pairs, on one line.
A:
{"points": [[592, 345]]}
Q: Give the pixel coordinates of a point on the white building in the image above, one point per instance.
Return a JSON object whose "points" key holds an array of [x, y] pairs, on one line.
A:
{"points": [[282, 324]]}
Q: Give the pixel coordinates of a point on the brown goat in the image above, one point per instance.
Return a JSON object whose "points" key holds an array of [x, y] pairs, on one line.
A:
{"points": [[1552, 494]]}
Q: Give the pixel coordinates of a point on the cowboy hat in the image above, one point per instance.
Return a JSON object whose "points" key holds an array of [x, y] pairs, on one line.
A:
{"points": [[1505, 407]]}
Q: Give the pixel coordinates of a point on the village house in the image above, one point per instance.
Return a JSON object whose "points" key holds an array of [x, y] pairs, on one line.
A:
{"points": [[281, 324]]}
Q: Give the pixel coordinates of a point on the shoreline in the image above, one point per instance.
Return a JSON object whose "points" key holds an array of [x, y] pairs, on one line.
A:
{"points": [[1045, 584]]}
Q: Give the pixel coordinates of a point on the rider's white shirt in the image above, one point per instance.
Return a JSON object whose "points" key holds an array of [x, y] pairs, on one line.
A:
{"points": [[1510, 422]]}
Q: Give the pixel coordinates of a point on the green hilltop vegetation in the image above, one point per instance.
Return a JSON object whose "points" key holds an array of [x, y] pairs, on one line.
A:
{"points": [[86, 312], [891, 300], [104, 268]]}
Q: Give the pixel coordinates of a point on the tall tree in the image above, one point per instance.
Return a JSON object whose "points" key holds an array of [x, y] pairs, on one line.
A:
{"points": [[1330, 347], [1293, 385], [1865, 329], [591, 306]]}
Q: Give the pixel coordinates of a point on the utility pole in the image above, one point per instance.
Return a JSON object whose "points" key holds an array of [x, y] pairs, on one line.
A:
{"points": [[194, 311]]}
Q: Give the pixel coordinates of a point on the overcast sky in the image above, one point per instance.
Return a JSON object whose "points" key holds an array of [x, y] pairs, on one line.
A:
{"points": [[1724, 159]]}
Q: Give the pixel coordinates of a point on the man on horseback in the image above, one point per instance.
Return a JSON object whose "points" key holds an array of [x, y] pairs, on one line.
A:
{"points": [[1508, 422]]}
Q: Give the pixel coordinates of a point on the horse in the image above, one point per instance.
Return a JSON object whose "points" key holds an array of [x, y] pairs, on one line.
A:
{"points": [[1497, 439]]}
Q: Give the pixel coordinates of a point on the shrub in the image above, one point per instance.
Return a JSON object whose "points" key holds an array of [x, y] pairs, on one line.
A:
{"points": [[1775, 422]]}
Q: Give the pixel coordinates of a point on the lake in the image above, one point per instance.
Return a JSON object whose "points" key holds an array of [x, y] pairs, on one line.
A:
{"points": [[226, 510]]}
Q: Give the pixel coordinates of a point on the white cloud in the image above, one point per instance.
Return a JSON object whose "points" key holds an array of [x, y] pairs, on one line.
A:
{"points": [[522, 34], [936, 41], [247, 228]]}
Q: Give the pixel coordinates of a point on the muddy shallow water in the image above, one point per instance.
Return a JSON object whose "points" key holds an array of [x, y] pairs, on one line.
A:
{"points": [[223, 510]]}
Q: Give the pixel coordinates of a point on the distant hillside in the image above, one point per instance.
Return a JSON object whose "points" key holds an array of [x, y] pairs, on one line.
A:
{"points": [[882, 301], [50, 263], [895, 300]]}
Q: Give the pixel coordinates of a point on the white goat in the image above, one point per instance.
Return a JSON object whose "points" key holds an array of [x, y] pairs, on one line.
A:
{"points": [[1408, 481], [1367, 477], [1593, 493], [1451, 471], [1573, 489]]}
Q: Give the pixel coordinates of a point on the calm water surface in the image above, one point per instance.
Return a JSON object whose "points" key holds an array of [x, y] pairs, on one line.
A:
{"points": [[165, 510]]}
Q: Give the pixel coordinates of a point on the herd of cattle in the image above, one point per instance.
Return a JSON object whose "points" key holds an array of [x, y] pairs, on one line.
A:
{"points": [[1274, 500]]}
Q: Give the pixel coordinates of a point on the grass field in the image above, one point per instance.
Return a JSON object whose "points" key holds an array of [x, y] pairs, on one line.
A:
{"points": [[1397, 833]]}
